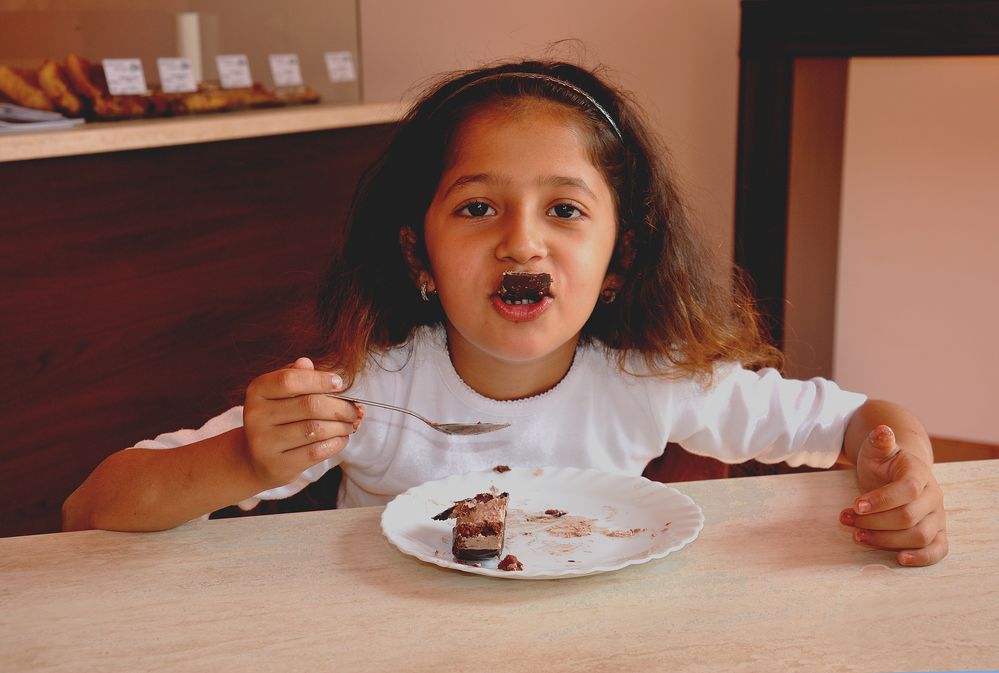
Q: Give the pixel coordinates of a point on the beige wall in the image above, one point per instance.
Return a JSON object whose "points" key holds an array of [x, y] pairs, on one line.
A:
{"points": [[917, 317], [679, 57]]}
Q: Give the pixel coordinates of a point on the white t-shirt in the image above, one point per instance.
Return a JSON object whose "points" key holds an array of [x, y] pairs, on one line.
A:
{"points": [[596, 417]]}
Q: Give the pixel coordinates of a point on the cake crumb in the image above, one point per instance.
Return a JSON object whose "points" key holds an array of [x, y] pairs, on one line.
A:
{"points": [[510, 563], [631, 532], [554, 513], [501, 468], [572, 526]]}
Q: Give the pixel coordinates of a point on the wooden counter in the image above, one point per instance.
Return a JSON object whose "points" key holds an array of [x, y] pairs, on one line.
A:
{"points": [[773, 583], [146, 133]]}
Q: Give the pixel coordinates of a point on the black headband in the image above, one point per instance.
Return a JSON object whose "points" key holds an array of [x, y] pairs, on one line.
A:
{"points": [[539, 76]]}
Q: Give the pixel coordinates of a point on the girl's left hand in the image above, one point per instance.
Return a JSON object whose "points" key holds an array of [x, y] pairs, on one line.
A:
{"points": [[902, 506]]}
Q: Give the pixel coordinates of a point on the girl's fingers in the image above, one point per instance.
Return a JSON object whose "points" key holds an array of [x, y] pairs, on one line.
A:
{"points": [[314, 407], [905, 488], [302, 434], [899, 518], [927, 555], [285, 383], [316, 452], [919, 536]]}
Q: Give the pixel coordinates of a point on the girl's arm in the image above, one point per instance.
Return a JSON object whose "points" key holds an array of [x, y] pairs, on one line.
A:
{"points": [[289, 425], [901, 504], [156, 489]]}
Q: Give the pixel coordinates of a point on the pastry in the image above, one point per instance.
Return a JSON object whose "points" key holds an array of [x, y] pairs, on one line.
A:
{"points": [[480, 523], [53, 81], [21, 87]]}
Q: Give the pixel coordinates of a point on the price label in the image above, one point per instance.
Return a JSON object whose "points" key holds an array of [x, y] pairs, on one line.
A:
{"points": [[234, 71], [124, 76], [340, 66], [176, 75], [285, 70]]}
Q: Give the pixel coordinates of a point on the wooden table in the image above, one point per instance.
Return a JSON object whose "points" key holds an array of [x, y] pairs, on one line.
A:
{"points": [[773, 583]]}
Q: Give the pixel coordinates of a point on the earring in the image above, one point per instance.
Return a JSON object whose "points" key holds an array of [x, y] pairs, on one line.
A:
{"points": [[424, 294], [608, 295]]}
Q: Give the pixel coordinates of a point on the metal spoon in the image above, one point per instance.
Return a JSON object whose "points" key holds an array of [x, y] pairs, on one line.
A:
{"points": [[446, 428]]}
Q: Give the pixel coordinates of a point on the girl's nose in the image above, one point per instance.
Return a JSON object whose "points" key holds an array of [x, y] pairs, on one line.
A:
{"points": [[522, 239]]}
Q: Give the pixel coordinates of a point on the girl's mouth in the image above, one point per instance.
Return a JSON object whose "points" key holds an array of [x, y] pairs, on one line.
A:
{"points": [[522, 310], [523, 295], [511, 301]]}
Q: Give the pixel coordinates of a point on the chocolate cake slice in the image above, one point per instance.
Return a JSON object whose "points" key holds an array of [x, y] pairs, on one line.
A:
{"points": [[479, 526], [524, 286]]}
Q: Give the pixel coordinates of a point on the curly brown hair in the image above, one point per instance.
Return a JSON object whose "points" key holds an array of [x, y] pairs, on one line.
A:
{"points": [[675, 306]]}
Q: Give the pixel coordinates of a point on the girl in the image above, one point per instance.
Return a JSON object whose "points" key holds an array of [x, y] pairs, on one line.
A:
{"points": [[532, 167]]}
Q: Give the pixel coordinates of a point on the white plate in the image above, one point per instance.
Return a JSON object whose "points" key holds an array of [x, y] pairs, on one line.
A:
{"points": [[611, 521]]}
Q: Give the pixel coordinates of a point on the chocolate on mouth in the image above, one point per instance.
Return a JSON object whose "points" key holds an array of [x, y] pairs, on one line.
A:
{"points": [[524, 287]]}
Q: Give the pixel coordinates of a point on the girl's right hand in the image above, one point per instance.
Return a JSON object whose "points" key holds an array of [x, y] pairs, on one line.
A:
{"points": [[291, 425]]}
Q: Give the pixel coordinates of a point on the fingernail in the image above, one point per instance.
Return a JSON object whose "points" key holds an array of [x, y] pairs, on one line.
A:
{"points": [[336, 381], [882, 433], [861, 536], [905, 559], [847, 518], [862, 507]]}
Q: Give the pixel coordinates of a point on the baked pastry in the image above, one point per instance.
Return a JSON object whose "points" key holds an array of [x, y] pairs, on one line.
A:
{"points": [[296, 95], [21, 87], [53, 81], [87, 80], [480, 523]]}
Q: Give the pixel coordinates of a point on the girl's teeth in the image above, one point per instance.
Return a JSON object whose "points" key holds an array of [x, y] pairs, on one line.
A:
{"points": [[519, 301]]}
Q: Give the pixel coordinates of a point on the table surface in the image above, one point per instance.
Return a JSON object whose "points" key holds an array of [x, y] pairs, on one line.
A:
{"points": [[773, 582]]}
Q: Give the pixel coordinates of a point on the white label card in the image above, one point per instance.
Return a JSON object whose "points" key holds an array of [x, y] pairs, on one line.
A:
{"points": [[234, 71], [285, 70], [176, 75], [340, 66], [124, 76]]}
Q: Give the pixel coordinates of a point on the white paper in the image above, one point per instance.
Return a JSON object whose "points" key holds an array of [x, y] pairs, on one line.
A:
{"points": [[285, 70], [124, 76], [340, 66], [234, 71], [176, 75]]}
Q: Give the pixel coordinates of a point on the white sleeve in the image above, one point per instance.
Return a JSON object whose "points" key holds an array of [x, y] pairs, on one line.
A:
{"points": [[760, 415], [233, 418]]}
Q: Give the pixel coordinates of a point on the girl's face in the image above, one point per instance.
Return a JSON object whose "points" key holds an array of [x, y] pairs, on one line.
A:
{"points": [[519, 194]]}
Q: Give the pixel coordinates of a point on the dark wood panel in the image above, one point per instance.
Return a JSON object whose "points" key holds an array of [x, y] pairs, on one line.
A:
{"points": [[142, 290], [869, 28], [776, 32], [762, 181]]}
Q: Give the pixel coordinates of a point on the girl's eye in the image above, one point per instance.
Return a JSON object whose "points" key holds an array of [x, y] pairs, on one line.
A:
{"points": [[565, 211], [477, 209]]}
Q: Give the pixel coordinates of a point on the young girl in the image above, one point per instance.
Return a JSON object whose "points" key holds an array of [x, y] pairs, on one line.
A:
{"points": [[535, 167]]}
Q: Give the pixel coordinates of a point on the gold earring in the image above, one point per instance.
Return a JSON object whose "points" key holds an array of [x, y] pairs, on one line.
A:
{"points": [[608, 295]]}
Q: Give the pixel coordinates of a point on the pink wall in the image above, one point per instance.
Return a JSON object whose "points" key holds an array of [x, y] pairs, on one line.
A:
{"points": [[680, 58], [917, 316]]}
